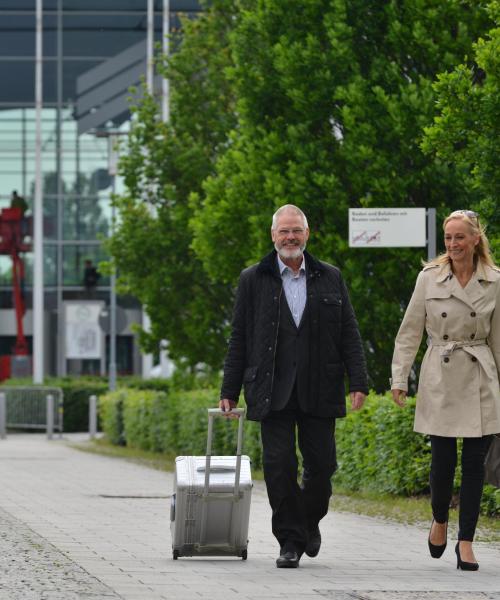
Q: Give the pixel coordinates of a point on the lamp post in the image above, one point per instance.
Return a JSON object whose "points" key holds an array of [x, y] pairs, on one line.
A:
{"points": [[112, 137], [38, 309]]}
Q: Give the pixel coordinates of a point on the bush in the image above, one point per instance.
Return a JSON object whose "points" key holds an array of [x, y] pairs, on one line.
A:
{"points": [[174, 423], [377, 449]]}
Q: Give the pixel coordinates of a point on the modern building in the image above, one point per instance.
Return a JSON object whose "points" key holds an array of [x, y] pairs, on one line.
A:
{"points": [[93, 51]]}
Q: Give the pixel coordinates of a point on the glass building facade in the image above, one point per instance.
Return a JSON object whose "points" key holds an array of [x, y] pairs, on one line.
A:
{"points": [[93, 50]]}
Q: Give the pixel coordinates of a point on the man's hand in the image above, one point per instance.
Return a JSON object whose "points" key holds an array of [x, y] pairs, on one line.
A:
{"points": [[399, 397], [226, 406], [357, 400]]}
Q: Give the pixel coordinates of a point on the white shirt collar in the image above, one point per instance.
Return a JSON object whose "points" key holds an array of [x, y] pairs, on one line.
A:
{"points": [[282, 265]]}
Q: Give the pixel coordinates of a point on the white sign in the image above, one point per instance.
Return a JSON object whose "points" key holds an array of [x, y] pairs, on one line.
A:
{"points": [[386, 227], [83, 333]]}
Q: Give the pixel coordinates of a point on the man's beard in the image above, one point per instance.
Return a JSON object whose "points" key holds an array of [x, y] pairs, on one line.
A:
{"points": [[290, 251]]}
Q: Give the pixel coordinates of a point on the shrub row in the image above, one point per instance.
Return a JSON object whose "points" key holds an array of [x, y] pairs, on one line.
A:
{"points": [[174, 423], [377, 449]]}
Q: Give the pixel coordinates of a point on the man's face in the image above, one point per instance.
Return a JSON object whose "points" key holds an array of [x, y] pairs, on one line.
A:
{"points": [[290, 236]]}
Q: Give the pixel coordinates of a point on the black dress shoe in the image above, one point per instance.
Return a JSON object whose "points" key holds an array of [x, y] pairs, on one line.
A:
{"points": [[313, 543], [289, 557]]}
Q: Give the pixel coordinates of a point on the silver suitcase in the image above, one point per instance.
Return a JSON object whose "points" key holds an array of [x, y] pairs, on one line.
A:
{"points": [[210, 506]]}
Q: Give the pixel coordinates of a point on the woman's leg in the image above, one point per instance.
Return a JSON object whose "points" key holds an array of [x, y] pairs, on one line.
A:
{"points": [[444, 462], [473, 454]]}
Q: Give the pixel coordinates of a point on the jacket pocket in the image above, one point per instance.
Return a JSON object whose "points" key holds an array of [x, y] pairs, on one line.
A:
{"points": [[249, 378], [250, 374], [331, 306], [436, 293]]}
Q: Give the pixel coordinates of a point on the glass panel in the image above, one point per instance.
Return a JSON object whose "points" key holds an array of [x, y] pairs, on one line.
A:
{"points": [[50, 273], [18, 31], [74, 258], [86, 217]]}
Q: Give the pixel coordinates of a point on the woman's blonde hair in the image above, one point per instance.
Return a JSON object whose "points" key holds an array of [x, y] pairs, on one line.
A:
{"points": [[482, 252]]}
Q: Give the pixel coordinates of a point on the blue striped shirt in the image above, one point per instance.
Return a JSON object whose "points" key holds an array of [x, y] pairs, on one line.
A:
{"points": [[295, 288]]}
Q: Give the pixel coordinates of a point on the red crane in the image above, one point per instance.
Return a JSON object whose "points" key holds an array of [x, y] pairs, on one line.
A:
{"points": [[13, 228]]}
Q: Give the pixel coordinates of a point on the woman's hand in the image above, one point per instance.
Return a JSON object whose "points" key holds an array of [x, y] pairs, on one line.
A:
{"points": [[399, 397]]}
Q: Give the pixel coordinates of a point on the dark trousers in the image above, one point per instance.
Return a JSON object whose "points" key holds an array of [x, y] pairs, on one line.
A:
{"points": [[297, 509], [444, 461]]}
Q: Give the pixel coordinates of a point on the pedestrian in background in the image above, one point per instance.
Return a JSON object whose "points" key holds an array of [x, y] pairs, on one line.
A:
{"points": [[457, 301], [294, 336], [91, 278]]}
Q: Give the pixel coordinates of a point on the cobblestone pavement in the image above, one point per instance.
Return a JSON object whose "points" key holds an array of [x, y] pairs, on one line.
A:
{"points": [[77, 525], [32, 568]]}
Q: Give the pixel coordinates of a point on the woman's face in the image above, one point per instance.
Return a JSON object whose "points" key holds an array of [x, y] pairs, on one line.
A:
{"points": [[460, 241]]}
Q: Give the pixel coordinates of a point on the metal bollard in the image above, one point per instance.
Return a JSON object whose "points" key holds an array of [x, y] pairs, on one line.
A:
{"points": [[92, 416], [50, 416], [60, 415], [3, 416]]}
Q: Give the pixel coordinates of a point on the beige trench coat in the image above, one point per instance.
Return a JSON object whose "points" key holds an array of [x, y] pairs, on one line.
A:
{"points": [[458, 391]]}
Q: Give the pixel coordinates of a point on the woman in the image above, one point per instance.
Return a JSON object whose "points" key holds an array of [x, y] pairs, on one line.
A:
{"points": [[454, 299]]}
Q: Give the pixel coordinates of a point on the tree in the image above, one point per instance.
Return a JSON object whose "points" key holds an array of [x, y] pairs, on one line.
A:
{"points": [[331, 101], [466, 131], [162, 165]]}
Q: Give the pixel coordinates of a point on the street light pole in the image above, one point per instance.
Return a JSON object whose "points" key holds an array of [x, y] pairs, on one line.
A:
{"points": [[150, 47], [112, 170], [166, 50], [38, 308]]}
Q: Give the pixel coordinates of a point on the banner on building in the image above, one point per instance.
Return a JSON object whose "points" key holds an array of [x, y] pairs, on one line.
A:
{"points": [[84, 338]]}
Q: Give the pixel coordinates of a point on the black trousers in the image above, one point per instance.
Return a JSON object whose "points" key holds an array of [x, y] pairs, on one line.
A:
{"points": [[444, 462], [297, 509]]}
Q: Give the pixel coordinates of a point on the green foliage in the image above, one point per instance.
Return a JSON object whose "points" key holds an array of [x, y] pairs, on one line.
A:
{"points": [[331, 100], [175, 424], [378, 451], [162, 165], [111, 416], [490, 502], [466, 130], [322, 104]]}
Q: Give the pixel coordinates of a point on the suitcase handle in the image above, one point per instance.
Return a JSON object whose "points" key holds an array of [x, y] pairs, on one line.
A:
{"points": [[217, 412]]}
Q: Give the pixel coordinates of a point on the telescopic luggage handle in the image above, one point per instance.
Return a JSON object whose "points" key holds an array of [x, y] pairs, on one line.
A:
{"points": [[217, 412]]}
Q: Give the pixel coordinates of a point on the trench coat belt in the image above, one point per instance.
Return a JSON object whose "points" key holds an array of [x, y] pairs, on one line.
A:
{"points": [[449, 347]]}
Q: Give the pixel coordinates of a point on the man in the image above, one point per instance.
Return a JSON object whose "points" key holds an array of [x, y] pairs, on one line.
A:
{"points": [[294, 334], [90, 277], [17, 201]]}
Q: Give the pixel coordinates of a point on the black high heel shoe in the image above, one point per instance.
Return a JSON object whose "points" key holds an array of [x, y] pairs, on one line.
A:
{"points": [[461, 564], [437, 551]]}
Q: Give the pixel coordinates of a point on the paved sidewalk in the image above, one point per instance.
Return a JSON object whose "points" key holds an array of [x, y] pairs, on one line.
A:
{"points": [[75, 525]]}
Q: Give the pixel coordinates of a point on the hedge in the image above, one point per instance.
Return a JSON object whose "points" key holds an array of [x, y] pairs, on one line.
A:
{"points": [[377, 449], [174, 424]]}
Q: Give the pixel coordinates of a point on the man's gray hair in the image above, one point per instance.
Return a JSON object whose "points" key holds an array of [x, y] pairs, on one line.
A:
{"points": [[288, 208]]}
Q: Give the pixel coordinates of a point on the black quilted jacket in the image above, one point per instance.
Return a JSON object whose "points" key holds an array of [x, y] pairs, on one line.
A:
{"points": [[335, 345]]}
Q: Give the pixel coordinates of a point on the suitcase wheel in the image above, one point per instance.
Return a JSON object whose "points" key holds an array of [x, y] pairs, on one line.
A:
{"points": [[175, 554], [244, 554]]}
